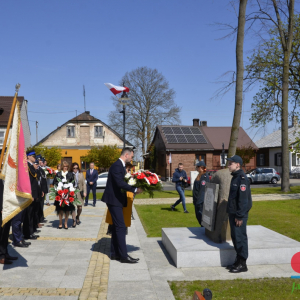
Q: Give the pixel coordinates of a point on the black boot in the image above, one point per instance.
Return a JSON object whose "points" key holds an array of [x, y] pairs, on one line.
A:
{"points": [[241, 267], [236, 262]]}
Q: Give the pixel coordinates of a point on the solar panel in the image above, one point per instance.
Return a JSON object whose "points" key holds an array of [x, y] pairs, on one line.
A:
{"points": [[177, 130], [171, 139], [195, 130], [184, 135], [200, 138], [186, 130], [167, 130], [181, 139]]}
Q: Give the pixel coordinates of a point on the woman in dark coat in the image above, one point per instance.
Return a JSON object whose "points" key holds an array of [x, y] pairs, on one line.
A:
{"points": [[66, 209], [199, 190]]}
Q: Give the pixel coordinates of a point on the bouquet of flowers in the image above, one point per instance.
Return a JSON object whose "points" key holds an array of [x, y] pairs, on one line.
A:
{"points": [[64, 193], [146, 180], [49, 172]]}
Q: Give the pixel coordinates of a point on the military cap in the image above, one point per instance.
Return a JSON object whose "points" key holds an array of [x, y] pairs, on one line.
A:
{"points": [[201, 164], [30, 152], [236, 159]]}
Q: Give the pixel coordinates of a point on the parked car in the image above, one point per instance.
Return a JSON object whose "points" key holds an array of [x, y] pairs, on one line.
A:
{"points": [[102, 179], [263, 175], [210, 173]]}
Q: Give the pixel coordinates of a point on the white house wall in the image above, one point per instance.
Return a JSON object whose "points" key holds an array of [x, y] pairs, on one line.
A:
{"points": [[272, 152]]}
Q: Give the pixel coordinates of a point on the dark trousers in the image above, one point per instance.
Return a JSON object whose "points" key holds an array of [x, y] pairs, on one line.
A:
{"points": [[36, 214], [118, 235], [28, 225], [41, 210], [4, 234], [88, 189], [239, 236], [16, 225], [198, 212]]}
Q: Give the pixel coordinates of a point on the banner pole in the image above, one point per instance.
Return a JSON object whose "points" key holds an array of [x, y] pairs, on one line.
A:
{"points": [[9, 124]]}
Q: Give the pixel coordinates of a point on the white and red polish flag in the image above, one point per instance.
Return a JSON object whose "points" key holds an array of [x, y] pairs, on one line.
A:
{"points": [[117, 89]]}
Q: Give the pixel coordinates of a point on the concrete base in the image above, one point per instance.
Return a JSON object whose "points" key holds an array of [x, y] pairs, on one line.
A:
{"points": [[190, 247]]}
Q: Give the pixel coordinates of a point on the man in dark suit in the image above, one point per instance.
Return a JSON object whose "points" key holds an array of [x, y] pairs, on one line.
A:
{"points": [[115, 199], [91, 183], [44, 187], [28, 225]]}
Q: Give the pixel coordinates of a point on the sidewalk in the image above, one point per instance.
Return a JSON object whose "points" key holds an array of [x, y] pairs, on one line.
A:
{"points": [[260, 197], [149, 278]]}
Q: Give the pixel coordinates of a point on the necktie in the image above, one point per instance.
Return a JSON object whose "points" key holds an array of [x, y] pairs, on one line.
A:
{"points": [[91, 171]]}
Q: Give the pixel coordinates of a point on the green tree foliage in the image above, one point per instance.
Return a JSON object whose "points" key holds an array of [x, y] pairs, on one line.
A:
{"points": [[52, 155], [103, 156], [246, 153]]}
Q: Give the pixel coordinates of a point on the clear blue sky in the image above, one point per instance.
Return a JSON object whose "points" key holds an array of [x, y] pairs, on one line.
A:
{"points": [[54, 47]]}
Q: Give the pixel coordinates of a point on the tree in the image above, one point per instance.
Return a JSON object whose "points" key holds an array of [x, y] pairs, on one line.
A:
{"points": [[52, 155], [239, 78], [246, 153], [151, 103], [279, 88], [103, 156]]}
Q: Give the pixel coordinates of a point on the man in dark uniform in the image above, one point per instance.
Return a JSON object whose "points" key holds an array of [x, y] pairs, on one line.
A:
{"points": [[199, 189], [44, 188], [28, 225], [238, 206], [5, 258], [37, 205]]}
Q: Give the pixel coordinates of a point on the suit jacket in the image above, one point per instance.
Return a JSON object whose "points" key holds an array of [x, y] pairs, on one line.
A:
{"points": [[44, 184], [33, 181], [91, 178], [113, 194]]}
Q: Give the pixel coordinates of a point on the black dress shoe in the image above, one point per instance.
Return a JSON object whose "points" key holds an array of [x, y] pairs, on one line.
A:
{"points": [[11, 257], [5, 261], [31, 237], [128, 260], [85, 204], [21, 245], [94, 205], [115, 258], [234, 265], [241, 267], [25, 243], [137, 259], [37, 231]]}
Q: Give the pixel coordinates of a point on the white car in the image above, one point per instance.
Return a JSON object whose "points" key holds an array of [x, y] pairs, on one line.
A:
{"points": [[102, 179]]}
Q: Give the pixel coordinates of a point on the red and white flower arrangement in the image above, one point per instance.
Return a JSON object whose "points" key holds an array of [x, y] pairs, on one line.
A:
{"points": [[146, 180], [64, 193]]}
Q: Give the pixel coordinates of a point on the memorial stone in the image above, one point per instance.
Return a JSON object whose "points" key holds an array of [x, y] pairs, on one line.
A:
{"points": [[210, 206], [221, 231]]}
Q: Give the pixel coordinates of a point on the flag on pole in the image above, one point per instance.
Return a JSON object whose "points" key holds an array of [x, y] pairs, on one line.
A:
{"points": [[170, 158], [17, 188], [117, 89]]}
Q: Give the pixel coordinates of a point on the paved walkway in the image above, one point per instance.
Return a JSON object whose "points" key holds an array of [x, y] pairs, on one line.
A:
{"points": [[260, 197], [74, 264]]}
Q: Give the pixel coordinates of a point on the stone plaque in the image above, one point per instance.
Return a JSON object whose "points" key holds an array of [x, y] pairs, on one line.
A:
{"points": [[210, 206]]}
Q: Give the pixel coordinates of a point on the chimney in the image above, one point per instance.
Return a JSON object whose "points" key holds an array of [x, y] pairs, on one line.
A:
{"points": [[87, 112], [203, 123], [294, 121], [196, 122]]}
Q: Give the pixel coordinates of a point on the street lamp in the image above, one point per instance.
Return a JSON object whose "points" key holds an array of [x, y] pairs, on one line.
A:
{"points": [[124, 99]]}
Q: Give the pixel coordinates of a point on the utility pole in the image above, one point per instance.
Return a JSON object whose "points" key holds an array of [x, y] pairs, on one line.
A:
{"points": [[84, 97], [124, 101], [36, 127]]}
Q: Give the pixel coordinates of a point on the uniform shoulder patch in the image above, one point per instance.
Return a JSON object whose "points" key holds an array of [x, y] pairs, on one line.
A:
{"points": [[203, 182], [243, 187]]}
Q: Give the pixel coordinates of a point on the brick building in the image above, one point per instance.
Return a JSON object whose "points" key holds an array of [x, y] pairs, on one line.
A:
{"points": [[190, 144]]}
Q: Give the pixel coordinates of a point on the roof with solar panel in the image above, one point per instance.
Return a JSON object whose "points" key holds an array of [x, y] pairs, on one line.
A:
{"points": [[199, 137]]}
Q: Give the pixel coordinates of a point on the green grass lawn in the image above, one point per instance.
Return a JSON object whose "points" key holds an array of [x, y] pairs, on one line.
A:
{"points": [[249, 289], [280, 216], [274, 190]]}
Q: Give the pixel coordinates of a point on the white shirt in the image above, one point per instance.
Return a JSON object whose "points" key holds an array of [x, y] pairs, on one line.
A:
{"points": [[122, 162]]}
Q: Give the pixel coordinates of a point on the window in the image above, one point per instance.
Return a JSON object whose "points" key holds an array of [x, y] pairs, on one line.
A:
{"points": [[98, 131], [266, 171], [261, 159], [70, 131], [223, 163], [297, 159], [1, 137], [278, 159], [84, 165], [105, 175]]}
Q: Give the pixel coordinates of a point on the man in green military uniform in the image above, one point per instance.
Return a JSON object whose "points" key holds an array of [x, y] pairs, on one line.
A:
{"points": [[238, 206]]}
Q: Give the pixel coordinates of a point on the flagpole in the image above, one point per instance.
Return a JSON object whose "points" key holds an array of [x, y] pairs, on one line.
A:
{"points": [[9, 123]]}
